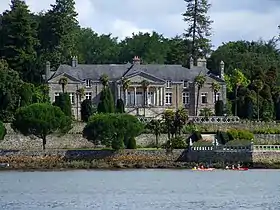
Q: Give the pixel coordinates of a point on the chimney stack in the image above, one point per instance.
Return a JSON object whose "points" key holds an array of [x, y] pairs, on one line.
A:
{"points": [[201, 62], [136, 60], [191, 63], [222, 70], [47, 71], [74, 61]]}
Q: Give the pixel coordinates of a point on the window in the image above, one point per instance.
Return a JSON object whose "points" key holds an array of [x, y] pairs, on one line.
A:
{"points": [[204, 98], [168, 98], [88, 95], [186, 97], [56, 95], [168, 84], [217, 96], [185, 84], [88, 83], [72, 97]]}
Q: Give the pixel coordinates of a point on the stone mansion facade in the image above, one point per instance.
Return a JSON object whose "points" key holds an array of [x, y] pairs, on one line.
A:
{"points": [[170, 86]]}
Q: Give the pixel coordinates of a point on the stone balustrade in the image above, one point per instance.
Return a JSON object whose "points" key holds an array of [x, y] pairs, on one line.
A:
{"points": [[215, 119], [222, 148], [264, 148]]}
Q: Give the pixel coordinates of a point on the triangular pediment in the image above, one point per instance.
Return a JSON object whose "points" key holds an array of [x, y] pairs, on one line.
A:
{"points": [[70, 78], [213, 78], [139, 76]]}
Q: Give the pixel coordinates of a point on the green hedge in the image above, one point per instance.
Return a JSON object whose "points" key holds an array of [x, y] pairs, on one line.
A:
{"points": [[267, 131]]}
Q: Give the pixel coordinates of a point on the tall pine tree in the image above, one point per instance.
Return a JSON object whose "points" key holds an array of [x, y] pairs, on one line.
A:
{"points": [[58, 28], [19, 41], [199, 29]]}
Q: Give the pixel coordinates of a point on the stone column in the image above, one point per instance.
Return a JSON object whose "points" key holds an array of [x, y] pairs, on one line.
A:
{"points": [[135, 96], [157, 96], [163, 96], [126, 99], [160, 96], [147, 95], [119, 91], [154, 95]]}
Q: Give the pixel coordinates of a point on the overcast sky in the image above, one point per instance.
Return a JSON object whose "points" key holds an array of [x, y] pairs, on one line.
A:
{"points": [[233, 19]]}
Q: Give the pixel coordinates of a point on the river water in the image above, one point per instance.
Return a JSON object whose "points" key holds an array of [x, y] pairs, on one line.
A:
{"points": [[140, 189]]}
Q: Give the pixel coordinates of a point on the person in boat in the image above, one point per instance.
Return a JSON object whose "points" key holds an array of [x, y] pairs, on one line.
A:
{"points": [[232, 167], [194, 168], [227, 167], [238, 166]]}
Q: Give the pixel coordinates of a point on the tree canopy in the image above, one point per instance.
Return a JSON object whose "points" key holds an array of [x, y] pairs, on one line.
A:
{"points": [[41, 120]]}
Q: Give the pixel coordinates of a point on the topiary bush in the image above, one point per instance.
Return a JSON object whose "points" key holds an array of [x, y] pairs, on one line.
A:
{"points": [[131, 143], [106, 103], [235, 134], [87, 109], [120, 106], [3, 130], [64, 103], [41, 120], [219, 108], [222, 137], [178, 142], [112, 129]]}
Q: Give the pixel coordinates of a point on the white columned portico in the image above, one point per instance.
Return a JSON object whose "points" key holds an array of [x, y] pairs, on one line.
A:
{"points": [[135, 96]]}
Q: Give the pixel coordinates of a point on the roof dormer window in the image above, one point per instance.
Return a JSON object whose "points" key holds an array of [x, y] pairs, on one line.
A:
{"points": [[168, 84], [88, 83]]}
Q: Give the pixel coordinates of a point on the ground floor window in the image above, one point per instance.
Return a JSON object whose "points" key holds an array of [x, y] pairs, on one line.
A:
{"points": [[186, 97], [168, 98]]}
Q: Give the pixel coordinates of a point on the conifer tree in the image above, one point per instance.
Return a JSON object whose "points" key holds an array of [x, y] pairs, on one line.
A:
{"points": [[58, 28], [19, 41], [199, 29]]}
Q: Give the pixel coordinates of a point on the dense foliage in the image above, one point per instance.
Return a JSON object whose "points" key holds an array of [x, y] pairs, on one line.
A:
{"points": [[64, 103], [87, 109], [29, 40], [41, 120], [113, 130], [3, 131]]}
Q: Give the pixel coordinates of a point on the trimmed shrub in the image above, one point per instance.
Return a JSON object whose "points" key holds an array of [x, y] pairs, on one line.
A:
{"points": [[222, 137], [3, 131], [106, 104], [202, 143], [64, 103], [240, 135], [120, 106], [112, 129], [131, 143], [238, 143], [178, 142], [219, 108], [41, 120], [87, 109]]}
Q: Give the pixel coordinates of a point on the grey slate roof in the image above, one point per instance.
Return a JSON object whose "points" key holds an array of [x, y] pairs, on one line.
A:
{"points": [[116, 71]]}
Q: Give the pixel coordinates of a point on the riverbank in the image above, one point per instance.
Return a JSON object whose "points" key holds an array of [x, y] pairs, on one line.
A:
{"points": [[60, 163]]}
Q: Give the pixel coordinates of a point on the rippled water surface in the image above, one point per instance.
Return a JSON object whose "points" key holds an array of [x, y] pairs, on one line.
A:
{"points": [[140, 189]]}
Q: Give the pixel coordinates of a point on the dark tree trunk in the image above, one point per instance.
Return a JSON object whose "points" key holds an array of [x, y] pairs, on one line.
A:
{"points": [[44, 142], [258, 104], [235, 104], [194, 53]]}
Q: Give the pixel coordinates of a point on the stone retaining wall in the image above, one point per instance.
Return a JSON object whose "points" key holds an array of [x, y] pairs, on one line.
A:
{"points": [[267, 138], [176, 155], [266, 157]]}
